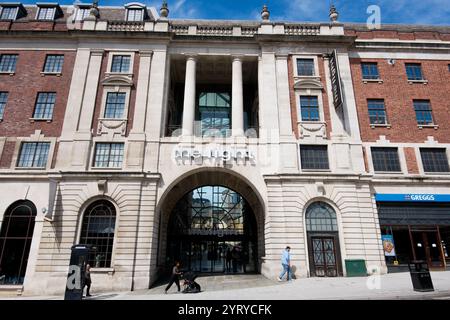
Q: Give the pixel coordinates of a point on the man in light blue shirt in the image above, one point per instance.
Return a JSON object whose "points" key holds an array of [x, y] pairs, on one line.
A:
{"points": [[286, 263]]}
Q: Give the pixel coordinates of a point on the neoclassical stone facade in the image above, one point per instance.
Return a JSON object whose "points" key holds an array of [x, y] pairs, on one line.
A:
{"points": [[156, 108]]}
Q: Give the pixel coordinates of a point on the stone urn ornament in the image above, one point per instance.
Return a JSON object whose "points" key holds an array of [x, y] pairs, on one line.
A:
{"points": [[265, 14], [334, 15], [164, 11]]}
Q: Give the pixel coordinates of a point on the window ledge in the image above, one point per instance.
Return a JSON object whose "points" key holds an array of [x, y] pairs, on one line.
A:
{"points": [[31, 168], [418, 81], [7, 72], [58, 74], [307, 77], [106, 168], [372, 80], [127, 74], [109, 271], [387, 125], [39, 120], [421, 126], [316, 170], [437, 173], [389, 172]]}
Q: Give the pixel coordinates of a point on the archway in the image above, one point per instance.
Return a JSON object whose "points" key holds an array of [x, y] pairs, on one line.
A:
{"points": [[323, 240], [16, 235], [204, 214]]}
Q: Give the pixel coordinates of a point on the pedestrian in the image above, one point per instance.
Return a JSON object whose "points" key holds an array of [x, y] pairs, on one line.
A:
{"points": [[174, 277], [234, 259], [87, 280], [228, 259], [286, 263]]}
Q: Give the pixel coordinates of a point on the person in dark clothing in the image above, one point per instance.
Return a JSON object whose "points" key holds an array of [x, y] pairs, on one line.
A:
{"points": [[175, 277], [235, 258], [87, 280], [228, 260]]}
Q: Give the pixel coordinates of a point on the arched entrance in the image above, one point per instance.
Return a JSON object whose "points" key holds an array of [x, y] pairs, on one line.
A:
{"points": [[323, 240], [213, 229], [206, 212], [16, 235]]}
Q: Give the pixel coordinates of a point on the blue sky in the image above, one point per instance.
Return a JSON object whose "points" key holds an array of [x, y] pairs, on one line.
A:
{"points": [[436, 12]]}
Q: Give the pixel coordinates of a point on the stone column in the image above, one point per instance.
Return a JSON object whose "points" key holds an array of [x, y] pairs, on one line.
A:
{"points": [[189, 96], [237, 99]]}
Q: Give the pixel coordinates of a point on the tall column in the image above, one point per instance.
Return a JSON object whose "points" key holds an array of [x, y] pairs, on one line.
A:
{"points": [[237, 99], [189, 96]]}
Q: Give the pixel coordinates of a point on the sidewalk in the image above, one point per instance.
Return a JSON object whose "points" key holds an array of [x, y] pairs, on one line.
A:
{"points": [[390, 286], [256, 287]]}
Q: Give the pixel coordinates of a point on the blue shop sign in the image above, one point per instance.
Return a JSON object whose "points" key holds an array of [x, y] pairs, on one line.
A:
{"points": [[412, 197]]}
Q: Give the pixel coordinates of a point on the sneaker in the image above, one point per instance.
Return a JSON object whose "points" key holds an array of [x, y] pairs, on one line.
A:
{"points": [[88, 295], [165, 291], [279, 279]]}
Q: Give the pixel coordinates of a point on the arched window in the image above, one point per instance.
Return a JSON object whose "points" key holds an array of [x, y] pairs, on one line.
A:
{"points": [[321, 217], [98, 226], [15, 241]]}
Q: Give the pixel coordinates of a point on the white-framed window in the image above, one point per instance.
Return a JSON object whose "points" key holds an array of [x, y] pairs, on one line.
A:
{"points": [[33, 155], [3, 100], [53, 63], [120, 62], [8, 63], [305, 66], [82, 13], [45, 103], [309, 108], [8, 13], [115, 105], [46, 13], [108, 155], [135, 14]]}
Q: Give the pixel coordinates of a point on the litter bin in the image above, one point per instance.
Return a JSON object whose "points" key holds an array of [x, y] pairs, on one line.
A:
{"points": [[420, 276], [356, 267]]}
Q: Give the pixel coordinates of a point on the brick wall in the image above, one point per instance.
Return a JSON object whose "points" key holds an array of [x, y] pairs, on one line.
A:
{"points": [[7, 154], [23, 87], [411, 161], [398, 95]]}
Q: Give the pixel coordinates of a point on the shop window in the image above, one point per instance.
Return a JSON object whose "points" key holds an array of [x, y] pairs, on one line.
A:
{"points": [[385, 159], [16, 234], [434, 159], [98, 229]]}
